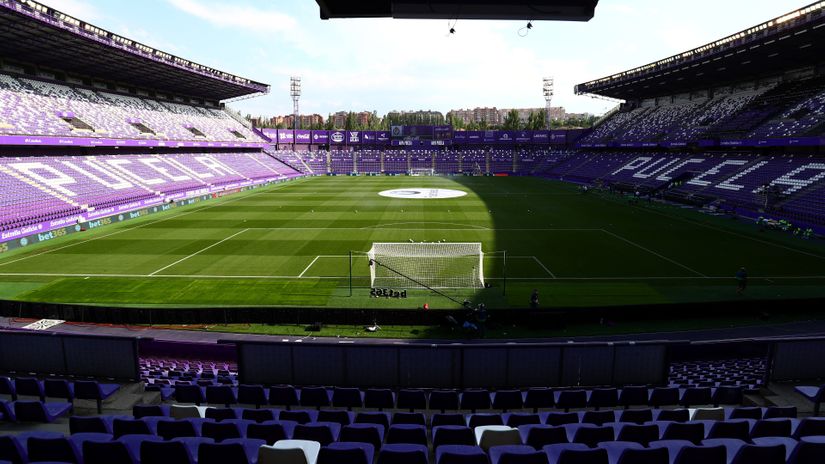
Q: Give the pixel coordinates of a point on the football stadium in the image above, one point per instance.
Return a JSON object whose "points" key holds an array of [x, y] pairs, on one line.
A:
{"points": [[181, 283]]}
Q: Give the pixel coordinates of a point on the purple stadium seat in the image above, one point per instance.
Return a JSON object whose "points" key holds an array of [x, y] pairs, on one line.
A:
{"points": [[603, 398], [473, 400], [346, 453], [623, 452], [380, 418], [442, 400], [317, 397], [35, 411], [516, 419], [570, 399], [380, 398], [337, 416], [685, 452], [220, 414], [258, 415], [412, 399], [516, 454], [508, 400], [92, 390], [439, 419], [636, 416], [30, 386], [460, 454], [574, 453], [415, 418], [403, 454], [407, 434], [363, 433], [347, 398], [452, 435], [283, 395], [539, 436], [252, 394], [539, 398], [271, 431], [814, 394], [301, 417], [321, 432]]}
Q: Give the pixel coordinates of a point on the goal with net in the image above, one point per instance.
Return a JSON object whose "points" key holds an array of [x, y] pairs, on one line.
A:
{"points": [[426, 265], [422, 172]]}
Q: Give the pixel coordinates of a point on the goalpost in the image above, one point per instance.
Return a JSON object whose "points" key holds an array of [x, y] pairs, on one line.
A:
{"points": [[422, 172], [435, 265]]}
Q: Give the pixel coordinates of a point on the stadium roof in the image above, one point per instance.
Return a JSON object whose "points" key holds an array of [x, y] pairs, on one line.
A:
{"points": [[527, 10], [791, 41], [37, 34]]}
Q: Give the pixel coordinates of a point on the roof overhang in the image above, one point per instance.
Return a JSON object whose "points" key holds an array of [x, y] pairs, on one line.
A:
{"points": [[792, 41], [35, 34], [527, 10]]}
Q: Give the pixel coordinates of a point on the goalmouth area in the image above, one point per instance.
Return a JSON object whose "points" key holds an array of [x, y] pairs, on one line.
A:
{"points": [[289, 246]]}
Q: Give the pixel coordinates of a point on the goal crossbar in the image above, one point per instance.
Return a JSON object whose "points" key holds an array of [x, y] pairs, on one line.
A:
{"points": [[428, 265]]}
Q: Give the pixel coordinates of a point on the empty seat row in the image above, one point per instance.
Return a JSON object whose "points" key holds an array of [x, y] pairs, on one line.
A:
{"points": [[472, 400], [58, 388], [94, 448], [514, 419]]}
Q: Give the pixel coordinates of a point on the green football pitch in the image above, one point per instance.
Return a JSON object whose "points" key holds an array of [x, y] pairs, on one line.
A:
{"points": [[289, 245]]}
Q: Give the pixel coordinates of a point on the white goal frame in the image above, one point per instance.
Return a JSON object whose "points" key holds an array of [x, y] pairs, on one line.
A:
{"points": [[392, 265], [416, 172]]}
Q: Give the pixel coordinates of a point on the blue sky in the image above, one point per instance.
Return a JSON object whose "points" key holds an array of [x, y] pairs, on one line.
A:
{"points": [[385, 64]]}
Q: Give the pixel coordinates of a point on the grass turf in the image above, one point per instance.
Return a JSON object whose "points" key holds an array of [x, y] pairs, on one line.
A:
{"points": [[287, 245]]}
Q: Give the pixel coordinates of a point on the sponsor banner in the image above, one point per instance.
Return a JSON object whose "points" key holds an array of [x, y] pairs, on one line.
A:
{"points": [[421, 143], [271, 133], [101, 142], [673, 144], [443, 132], [337, 137], [354, 137], [475, 136], [286, 136], [382, 137], [45, 231], [303, 137], [524, 136], [708, 143], [369, 138], [320, 137], [490, 136], [541, 137], [558, 137], [460, 137], [506, 137]]}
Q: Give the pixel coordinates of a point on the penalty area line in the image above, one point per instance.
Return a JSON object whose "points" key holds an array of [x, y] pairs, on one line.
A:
{"points": [[197, 252], [301, 275], [538, 261], [641, 247]]}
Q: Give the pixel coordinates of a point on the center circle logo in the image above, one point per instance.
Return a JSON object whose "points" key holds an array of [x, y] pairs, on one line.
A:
{"points": [[422, 193]]}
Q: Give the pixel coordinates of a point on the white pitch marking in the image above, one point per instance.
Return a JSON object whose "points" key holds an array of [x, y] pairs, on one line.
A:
{"points": [[198, 252], [544, 267], [389, 226], [174, 216], [307, 268], [653, 252]]}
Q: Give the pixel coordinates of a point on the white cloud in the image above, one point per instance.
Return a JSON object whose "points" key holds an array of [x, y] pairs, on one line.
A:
{"points": [[80, 9], [235, 15]]}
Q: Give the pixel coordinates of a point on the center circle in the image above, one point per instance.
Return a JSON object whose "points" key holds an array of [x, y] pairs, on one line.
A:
{"points": [[422, 193]]}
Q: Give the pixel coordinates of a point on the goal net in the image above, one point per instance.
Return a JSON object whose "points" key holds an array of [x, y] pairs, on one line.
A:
{"points": [[426, 265], [422, 172]]}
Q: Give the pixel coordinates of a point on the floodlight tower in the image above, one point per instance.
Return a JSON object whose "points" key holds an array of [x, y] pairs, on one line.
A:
{"points": [[548, 98], [295, 92]]}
